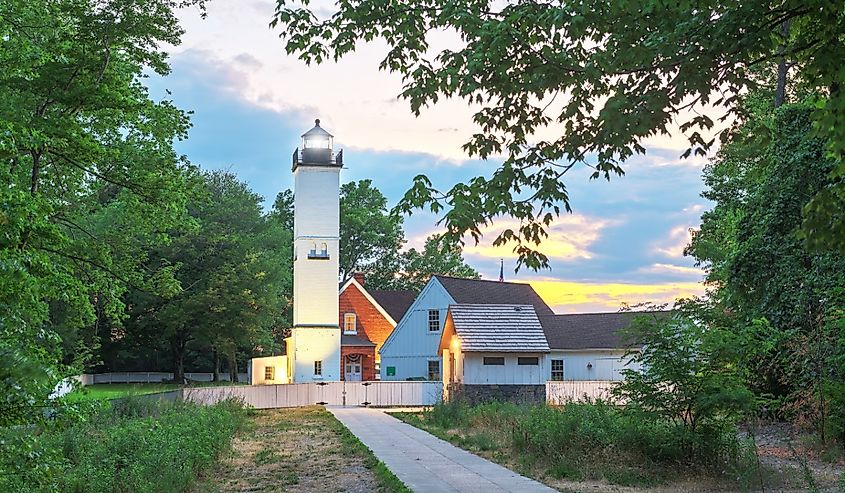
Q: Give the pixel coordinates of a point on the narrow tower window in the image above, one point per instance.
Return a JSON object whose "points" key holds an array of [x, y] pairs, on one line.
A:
{"points": [[318, 368], [318, 253]]}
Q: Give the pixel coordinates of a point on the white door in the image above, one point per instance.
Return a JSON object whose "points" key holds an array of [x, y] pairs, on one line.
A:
{"points": [[353, 368]]}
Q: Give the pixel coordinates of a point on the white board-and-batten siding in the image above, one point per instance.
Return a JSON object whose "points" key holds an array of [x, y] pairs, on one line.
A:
{"points": [[411, 345], [595, 364], [476, 372]]}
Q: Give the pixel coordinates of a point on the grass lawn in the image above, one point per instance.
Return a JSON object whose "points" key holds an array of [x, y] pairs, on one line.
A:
{"points": [[105, 391], [299, 449]]}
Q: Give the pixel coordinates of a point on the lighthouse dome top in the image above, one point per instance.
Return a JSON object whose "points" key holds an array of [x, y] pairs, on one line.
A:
{"points": [[316, 149], [317, 132]]}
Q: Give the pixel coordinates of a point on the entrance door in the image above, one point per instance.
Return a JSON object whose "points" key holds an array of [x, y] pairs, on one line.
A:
{"points": [[353, 368]]}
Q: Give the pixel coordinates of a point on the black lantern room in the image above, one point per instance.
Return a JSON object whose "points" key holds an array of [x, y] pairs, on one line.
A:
{"points": [[316, 149]]}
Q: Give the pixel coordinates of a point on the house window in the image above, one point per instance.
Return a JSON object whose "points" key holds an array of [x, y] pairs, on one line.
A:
{"points": [[494, 361], [269, 373], [350, 323], [318, 368], [433, 320], [434, 369], [528, 361], [557, 369]]}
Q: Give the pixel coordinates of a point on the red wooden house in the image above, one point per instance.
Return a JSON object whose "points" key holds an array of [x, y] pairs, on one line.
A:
{"points": [[366, 318]]}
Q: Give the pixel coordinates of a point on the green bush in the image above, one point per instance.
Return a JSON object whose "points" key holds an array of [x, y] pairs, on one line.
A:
{"points": [[138, 446]]}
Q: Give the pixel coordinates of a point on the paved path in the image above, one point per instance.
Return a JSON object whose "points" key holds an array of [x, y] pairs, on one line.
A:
{"points": [[426, 463]]}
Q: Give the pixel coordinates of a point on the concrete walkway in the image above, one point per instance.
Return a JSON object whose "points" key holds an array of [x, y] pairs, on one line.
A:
{"points": [[426, 463]]}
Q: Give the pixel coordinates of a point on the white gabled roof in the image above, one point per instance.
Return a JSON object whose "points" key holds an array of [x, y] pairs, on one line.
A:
{"points": [[498, 328]]}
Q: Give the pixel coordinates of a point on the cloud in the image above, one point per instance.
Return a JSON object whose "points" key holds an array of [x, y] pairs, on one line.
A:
{"points": [[353, 96], [570, 238], [673, 246], [671, 269], [582, 297]]}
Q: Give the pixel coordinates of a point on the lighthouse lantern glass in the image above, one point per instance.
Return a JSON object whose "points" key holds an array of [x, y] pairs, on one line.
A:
{"points": [[316, 142]]}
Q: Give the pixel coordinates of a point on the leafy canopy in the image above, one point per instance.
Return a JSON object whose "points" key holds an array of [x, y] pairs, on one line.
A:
{"points": [[90, 180], [597, 77]]}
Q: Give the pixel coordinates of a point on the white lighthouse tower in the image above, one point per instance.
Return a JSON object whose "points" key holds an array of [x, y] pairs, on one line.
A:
{"points": [[313, 349]]}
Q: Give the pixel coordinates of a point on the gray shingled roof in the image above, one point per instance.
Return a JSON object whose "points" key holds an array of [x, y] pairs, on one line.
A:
{"points": [[395, 303], [498, 328], [478, 291], [589, 330], [354, 340]]}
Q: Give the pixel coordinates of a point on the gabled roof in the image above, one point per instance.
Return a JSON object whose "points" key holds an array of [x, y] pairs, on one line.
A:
{"points": [[496, 328], [368, 295], [396, 303], [589, 330], [478, 291]]}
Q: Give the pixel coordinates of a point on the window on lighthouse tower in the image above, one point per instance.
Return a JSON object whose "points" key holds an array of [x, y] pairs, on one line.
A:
{"points": [[318, 252]]}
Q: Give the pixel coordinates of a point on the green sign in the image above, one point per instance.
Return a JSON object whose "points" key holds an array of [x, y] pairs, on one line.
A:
{"points": [[391, 371]]}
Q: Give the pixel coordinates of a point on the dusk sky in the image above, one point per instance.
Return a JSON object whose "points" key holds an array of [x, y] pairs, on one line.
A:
{"points": [[251, 102]]}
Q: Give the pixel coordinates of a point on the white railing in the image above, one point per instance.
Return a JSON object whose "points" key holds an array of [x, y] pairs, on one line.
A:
{"points": [[381, 394], [561, 392]]}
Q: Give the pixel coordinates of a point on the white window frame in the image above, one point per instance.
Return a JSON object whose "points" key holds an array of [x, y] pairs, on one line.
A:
{"points": [[435, 319], [439, 370], [350, 318], [524, 361], [269, 373], [561, 371]]}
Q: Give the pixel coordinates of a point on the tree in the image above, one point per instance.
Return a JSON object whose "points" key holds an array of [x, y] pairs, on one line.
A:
{"points": [[90, 181], [600, 77], [370, 235], [439, 256], [232, 269], [785, 297], [687, 372]]}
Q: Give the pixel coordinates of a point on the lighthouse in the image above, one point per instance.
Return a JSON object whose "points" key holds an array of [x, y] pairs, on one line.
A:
{"points": [[313, 348]]}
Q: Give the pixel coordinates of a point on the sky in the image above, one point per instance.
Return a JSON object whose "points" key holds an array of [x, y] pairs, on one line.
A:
{"points": [[251, 101]]}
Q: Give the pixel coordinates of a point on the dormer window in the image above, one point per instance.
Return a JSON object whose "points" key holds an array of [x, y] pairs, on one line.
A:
{"points": [[319, 252], [350, 323]]}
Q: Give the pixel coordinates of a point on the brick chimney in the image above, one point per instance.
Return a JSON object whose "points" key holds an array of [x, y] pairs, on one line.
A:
{"points": [[359, 277]]}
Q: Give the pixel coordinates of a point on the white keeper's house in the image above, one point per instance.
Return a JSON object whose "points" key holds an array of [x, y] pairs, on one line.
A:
{"points": [[493, 339]]}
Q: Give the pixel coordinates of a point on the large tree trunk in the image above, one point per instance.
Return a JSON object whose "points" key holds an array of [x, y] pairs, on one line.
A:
{"points": [[783, 68], [233, 367], [216, 377], [178, 345]]}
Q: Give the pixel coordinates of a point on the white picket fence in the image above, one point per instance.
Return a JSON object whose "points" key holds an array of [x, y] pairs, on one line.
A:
{"points": [[561, 392], [381, 394]]}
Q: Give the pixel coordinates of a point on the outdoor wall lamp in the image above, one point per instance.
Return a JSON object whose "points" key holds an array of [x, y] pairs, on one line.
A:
{"points": [[589, 366]]}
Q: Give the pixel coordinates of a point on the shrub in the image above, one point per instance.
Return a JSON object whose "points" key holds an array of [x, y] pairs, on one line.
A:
{"points": [[595, 440], [139, 446]]}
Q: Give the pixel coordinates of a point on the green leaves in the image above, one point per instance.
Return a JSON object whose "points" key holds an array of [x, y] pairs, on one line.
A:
{"points": [[599, 76], [90, 181]]}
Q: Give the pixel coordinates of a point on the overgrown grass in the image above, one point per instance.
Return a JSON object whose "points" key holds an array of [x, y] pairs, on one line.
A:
{"points": [[386, 479], [134, 446], [591, 442]]}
